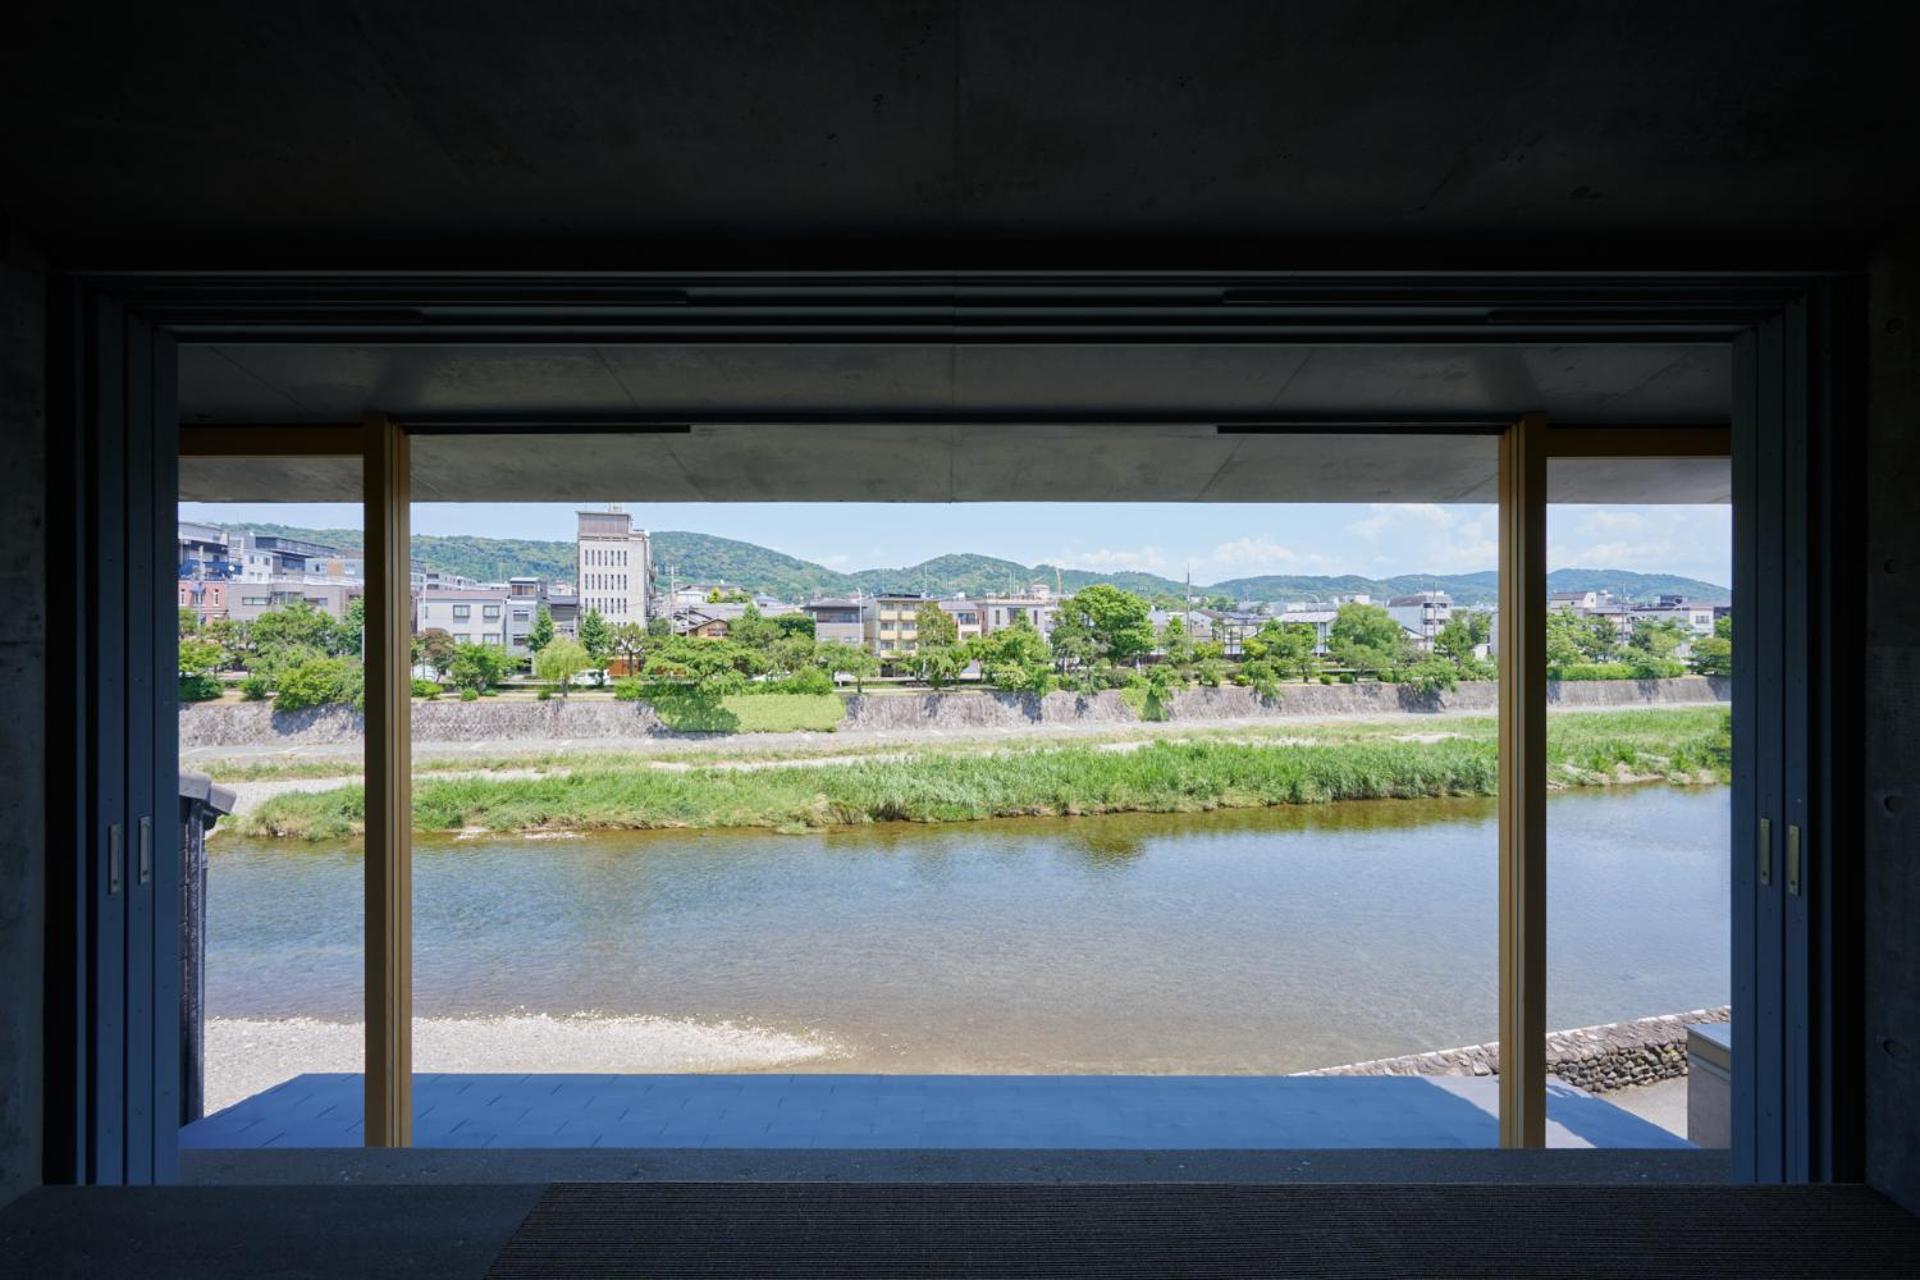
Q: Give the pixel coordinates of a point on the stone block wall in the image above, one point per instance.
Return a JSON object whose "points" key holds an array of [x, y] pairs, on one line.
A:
{"points": [[1614, 1055]]}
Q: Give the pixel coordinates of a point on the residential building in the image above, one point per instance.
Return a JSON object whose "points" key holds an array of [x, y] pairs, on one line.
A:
{"points": [[206, 597], [247, 600], [836, 621], [564, 604], [614, 567], [702, 624], [204, 553], [890, 622], [967, 617], [1038, 604], [1422, 614], [474, 614]]}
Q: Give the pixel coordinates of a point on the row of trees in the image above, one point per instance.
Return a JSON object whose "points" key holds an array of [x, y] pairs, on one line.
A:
{"points": [[1592, 648], [1102, 638]]}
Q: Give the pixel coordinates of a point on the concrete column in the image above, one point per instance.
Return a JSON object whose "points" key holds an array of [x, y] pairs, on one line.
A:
{"points": [[1891, 827], [23, 681]]}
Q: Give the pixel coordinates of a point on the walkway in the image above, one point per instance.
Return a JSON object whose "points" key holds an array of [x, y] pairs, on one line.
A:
{"points": [[947, 1112]]}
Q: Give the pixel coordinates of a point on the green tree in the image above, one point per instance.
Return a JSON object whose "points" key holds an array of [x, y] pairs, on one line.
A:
{"points": [[597, 639], [1116, 621], [294, 628], [317, 682], [629, 641], [936, 626], [1573, 640], [1176, 645], [1431, 674], [189, 622], [939, 665], [1015, 658], [199, 665], [478, 667], [1713, 655], [708, 667], [1074, 648], [796, 624], [752, 630], [560, 661], [1657, 638], [1365, 637], [350, 631], [234, 638], [850, 660], [542, 634], [436, 652], [1463, 634], [1280, 648]]}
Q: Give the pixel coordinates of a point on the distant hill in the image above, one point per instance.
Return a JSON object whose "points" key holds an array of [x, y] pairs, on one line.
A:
{"points": [[702, 557]]}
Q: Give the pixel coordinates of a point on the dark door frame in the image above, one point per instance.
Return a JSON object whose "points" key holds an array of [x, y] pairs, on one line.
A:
{"points": [[1798, 351]]}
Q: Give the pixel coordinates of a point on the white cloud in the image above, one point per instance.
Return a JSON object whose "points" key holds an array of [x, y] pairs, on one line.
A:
{"points": [[1147, 559], [1423, 537], [1695, 541]]}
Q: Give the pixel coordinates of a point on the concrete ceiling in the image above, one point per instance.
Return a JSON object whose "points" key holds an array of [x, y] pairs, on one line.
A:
{"points": [[497, 134], [1613, 383], [879, 462]]}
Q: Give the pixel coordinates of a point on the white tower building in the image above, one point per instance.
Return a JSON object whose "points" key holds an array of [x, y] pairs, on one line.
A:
{"points": [[613, 567]]}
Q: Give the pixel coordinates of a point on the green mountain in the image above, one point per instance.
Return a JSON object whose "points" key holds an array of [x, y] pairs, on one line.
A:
{"points": [[702, 557]]}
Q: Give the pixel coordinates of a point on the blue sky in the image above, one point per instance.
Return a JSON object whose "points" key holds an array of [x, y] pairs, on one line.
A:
{"points": [[1216, 540]]}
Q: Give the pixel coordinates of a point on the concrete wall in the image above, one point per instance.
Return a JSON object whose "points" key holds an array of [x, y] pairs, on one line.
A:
{"points": [[1891, 825], [240, 724], [23, 679]]}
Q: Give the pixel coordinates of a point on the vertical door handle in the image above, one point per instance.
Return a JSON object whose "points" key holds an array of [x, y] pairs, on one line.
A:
{"points": [[1766, 852], [146, 850], [116, 859], [1793, 861]]}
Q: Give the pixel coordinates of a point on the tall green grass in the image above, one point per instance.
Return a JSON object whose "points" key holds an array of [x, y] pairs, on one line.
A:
{"points": [[1161, 777]]}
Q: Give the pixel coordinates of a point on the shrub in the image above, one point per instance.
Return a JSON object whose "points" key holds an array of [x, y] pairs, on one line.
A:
{"points": [[807, 680], [426, 688], [1591, 671], [199, 688], [469, 695], [1325, 678], [316, 683], [256, 687], [1431, 675], [545, 695]]}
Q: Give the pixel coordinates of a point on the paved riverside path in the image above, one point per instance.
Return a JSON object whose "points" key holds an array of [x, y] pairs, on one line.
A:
{"points": [[748, 746], [949, 1112]]}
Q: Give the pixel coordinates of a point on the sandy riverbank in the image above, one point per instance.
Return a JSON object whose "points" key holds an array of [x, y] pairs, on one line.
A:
{"points": [[247, 1055]]}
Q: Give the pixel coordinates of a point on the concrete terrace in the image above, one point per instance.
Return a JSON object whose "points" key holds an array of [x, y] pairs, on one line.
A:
{"points": [[934, 1112]]}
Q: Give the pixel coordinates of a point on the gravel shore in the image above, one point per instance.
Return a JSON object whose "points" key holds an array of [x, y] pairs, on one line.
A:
{"points": [[246, 1055]]}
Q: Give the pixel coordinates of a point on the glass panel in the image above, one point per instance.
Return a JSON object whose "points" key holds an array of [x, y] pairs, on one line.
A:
{"points": [[270, 597], [1638, 879]]}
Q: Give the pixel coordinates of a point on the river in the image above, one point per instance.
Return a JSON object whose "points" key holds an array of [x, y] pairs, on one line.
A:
{"points": [[1267, 940]]}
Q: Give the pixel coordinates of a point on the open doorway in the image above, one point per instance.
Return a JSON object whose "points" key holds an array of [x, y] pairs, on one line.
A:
{"points": [[1240, 828]]}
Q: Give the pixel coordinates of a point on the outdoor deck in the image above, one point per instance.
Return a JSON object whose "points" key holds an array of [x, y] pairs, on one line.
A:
{"points": [[946, 1112]]}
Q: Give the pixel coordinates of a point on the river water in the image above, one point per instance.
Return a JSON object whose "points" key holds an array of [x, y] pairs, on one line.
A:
{"points": [[1268, 940]]}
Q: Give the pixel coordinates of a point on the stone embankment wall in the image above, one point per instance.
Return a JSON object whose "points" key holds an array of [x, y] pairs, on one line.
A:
{"points": [[979, 709], [236, 724], [1614, 1055]]}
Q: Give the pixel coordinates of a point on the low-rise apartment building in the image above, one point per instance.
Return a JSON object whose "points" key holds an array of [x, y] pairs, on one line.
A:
{"points": [[891, 624], [836, 621], [1422, 615], [246, 600], [476, 615]]}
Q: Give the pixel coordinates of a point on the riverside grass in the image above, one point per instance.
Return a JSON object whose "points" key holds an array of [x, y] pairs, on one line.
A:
{"points": [[1158, 777]]}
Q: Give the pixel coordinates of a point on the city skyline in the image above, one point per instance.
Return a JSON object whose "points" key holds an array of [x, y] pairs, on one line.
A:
{"points": [[1214, 542]]}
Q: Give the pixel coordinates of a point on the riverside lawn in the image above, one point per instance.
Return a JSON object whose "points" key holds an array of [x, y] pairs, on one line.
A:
{"points": [[1298, 764]]}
